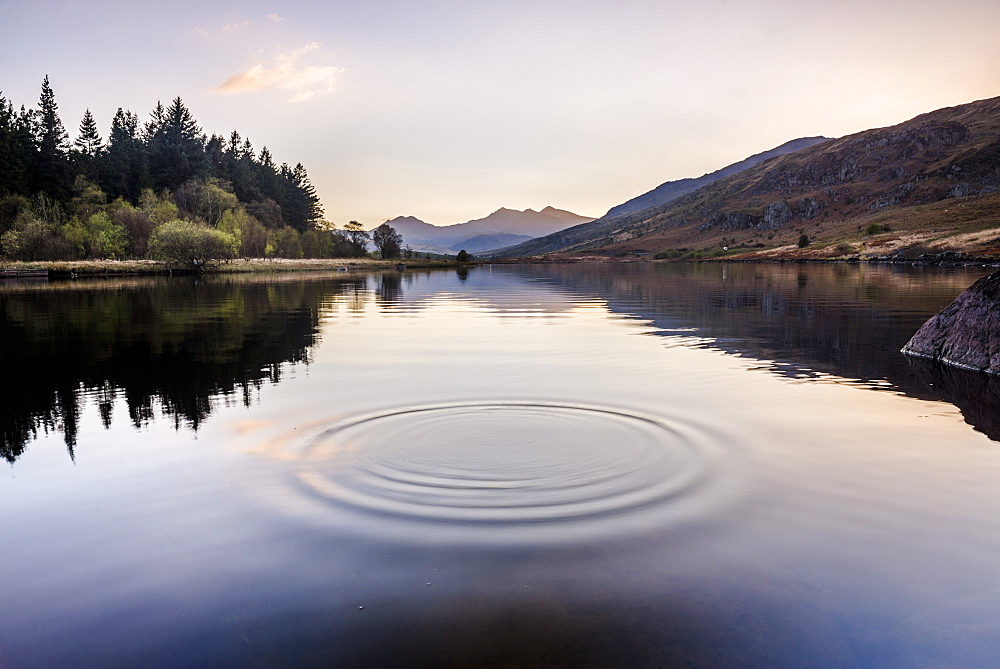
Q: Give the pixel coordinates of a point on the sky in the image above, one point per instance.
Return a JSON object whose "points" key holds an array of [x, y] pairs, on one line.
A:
{"points": [[448, 111]]}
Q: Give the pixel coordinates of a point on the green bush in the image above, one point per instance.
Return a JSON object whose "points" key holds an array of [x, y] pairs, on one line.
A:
{"points": [[191, 245]]}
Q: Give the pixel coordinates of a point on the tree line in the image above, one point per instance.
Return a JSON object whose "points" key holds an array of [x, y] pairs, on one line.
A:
{"points": [[150, 186]]}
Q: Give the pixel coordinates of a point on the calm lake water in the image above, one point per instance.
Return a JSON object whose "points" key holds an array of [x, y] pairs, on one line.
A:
{"points": [[608, 465]]}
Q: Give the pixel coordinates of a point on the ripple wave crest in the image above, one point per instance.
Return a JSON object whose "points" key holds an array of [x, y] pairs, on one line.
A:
{"points": [[502, 465]]}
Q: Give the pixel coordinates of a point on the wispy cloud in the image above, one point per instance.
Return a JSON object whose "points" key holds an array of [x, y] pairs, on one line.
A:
{"points": [[227, 28], [285, 72], [275, 18]]}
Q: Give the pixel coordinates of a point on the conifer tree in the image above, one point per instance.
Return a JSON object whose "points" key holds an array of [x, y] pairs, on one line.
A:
{"points": [[301, 207], [15, 150], [155, 122], [175, 146], [125, 164], [88, 148], [88, 142], [51, 173]]}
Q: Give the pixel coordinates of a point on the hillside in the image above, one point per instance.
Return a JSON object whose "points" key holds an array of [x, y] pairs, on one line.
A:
{"points": [[509, 225], [929, 184], [672, 190]]}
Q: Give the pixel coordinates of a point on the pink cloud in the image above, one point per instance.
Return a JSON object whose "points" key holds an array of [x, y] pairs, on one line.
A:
{"points": [[285, 72]]}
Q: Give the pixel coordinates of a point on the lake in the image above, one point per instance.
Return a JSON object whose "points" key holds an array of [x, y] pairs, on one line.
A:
{"points": [[588, 464]]}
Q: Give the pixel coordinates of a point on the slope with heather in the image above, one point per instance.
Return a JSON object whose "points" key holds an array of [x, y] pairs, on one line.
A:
{"points": [[929, 184]]}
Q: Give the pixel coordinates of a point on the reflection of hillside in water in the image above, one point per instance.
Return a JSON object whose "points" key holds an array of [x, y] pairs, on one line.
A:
{"points": [[801, 321], [175, 346]]}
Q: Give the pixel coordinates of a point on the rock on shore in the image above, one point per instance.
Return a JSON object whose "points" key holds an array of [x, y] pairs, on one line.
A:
{"points": [[966, 333]]}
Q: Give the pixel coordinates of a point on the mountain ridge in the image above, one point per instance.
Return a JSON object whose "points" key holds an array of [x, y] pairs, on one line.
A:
{"points": [[877, 192], [421, 235], [672, 190]]}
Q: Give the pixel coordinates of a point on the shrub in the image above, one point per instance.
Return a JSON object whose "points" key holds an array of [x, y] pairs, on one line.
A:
{"points": [[284, 242], [803, 240], [191, 245]]}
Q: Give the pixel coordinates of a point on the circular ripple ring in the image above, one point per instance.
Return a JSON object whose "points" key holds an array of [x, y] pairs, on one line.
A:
{"points": [[501, 463]]}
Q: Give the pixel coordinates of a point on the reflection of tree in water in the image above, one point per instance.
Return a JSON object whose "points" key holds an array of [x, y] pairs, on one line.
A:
{"points": [[390, 287], [174, 345]]}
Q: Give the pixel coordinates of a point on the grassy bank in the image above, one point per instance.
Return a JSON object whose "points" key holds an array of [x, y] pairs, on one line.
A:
{"points": [[252, 265]]}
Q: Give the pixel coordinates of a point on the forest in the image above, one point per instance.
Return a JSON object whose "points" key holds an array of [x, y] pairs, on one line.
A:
{"points": [[148, 184]]}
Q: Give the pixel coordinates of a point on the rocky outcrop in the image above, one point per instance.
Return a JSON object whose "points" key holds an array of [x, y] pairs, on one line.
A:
{"points": [[966, 333]]}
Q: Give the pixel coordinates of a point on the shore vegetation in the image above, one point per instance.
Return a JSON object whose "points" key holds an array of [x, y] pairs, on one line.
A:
{"points": [[162, 189]]}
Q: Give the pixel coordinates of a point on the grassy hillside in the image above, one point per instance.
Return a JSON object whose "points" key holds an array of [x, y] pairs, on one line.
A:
{"points": [[927, 185]]}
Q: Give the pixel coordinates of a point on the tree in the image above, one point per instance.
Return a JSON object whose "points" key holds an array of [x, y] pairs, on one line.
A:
{"points": [[124, 158], [88, 142], [190, 245], [175, 145], [52, 144], [16, 149], [358, 239], [803, 240], [284, 243], [251, 234], [136, 224], [300, 204], [88, 147], [388, 242], [463, 256]]}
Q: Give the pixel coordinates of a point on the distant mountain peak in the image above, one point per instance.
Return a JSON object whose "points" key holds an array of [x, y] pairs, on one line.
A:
{"points": [[513, 224]]}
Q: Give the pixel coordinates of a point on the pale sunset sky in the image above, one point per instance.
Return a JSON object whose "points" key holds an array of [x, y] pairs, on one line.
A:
{"points": [[449, 110]]}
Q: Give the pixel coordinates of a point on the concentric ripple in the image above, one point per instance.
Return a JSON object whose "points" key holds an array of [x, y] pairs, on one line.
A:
{"points": [[501, 464]]}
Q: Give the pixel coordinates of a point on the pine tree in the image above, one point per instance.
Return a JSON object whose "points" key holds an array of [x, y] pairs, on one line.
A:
{"points": [[175, 146], [301, 205], [52, 170], [156, 118], [88, 142], [124, 159], [15, 151]]}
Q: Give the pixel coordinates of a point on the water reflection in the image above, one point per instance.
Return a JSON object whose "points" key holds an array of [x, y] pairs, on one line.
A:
{"points": [[171, 347], [977, 395], [525, 466], [833, 321], [515, 469], [177, 347]]}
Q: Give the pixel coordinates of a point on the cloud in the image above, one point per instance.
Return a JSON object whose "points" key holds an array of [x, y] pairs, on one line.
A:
{"points": [[286, 73], [233, 26], [275, 18], [228, 28]]}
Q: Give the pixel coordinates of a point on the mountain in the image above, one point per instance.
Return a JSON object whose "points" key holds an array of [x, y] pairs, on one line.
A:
{"points": [[488, 242], [529, 223], [672, 190], [929, 184]]}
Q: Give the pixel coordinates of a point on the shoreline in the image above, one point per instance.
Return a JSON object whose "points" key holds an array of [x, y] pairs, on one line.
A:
{"points": [[125, 268], [94, 268]]}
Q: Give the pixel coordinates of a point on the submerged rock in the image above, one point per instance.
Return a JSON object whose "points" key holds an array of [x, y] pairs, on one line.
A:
{"points": [[966, 333]]}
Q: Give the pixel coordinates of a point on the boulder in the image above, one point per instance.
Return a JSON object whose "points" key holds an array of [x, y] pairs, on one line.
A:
{"points": [[966, 333]]}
